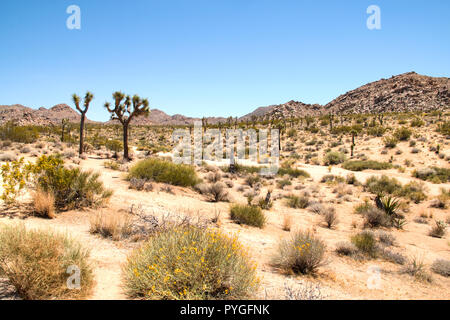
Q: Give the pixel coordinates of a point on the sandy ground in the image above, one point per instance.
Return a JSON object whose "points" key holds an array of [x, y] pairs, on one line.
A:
{"points": [[340, 278]]}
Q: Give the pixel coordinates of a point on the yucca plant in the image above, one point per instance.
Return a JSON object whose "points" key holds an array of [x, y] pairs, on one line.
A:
{"points": [[390, 205]]}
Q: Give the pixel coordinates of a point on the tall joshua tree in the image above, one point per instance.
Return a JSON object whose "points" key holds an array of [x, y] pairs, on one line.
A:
{"points": [[125, 109], [87, 100]]}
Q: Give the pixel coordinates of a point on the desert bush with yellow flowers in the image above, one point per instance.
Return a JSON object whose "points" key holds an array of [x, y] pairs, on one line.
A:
{"points": [[302, 253], [190, 263]]}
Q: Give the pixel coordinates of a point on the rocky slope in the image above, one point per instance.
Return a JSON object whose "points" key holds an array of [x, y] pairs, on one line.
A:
{"points": [[22, 115], [405, 92]]}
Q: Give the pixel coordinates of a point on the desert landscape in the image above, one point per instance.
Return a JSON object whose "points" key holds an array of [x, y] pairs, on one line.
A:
{"points": [[358, 209]]}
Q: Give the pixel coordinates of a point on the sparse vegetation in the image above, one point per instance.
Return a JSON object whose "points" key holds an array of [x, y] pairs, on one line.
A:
{"points": [[248, 214]]}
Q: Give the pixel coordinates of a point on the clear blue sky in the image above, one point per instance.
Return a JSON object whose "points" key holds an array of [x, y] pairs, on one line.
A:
{"points": [[213, 57]]}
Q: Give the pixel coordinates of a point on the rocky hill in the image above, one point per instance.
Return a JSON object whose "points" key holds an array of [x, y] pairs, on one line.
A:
{"points": [[22, 115], [405, 92]]}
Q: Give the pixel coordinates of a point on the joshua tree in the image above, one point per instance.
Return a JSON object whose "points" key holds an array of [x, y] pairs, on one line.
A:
{"points": [[331, 118], [64, 123], [354, 133], [87, 100], [125, 109]]}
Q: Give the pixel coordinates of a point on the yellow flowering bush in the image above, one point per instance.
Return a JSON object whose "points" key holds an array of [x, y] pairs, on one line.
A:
{"points": [[190, 263], [302, 253], [14, 176]]}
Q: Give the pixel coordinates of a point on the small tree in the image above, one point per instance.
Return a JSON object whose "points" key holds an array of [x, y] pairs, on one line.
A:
{"points": [[87, 100], [125, 109], [64, 123]]}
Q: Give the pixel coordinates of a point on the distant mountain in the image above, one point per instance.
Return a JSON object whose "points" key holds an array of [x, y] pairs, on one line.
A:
{"points": [[22, 115], [402, 93], [405, 92]]}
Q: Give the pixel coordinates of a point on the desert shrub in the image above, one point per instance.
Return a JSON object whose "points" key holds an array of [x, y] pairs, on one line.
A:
{"points": [[333, 157], [416, 268], [137, 184], [375, 218], [295, 173], [215, 192], [297, 202], [36, 263], [364, 165], [305, 291], [403, 134], [433, 174], [382, 185], [416, 122], [330, 218], [351, 179], [346, 249], [442, 267], [441, 200], [392, 256], [72, 188], [22, 134], [331, 179], [414, 191], [385, 238], [362, 207], [190, 263], [366, 242], [302, 253], [247, 214], [439, 229], [164, 171], [239, 168], [114, 145], [113, 165], [44, 204], [376, 131], [14, 176], [253, 179], [117, 225], [444, 128], [390, 142], [283, 183]]}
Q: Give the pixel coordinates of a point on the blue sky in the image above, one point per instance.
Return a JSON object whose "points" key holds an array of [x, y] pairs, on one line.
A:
{"points": [[213, 57]]}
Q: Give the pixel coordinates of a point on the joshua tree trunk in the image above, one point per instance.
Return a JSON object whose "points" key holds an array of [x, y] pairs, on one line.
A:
{"points": [[125, 142], [80, 151]]}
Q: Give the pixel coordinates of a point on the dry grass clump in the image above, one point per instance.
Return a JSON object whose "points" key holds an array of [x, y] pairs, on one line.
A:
{"points": [[190, 264], [215, 192], [366, 243], [439, 229], [248, 214], [346, 249], [44, 204], [330, 218], [287, 222], [442, 267], [416, 268], [302, 253], [117, 225], [37, 262]]}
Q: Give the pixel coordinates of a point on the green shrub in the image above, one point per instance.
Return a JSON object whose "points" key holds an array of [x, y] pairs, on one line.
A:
{"points": [[403, 134], [390, 142], [72, 188], [247, 214], [433, 174], [36, 263], [444, 128], [190, 263], [164, 171], [333, 157], [416, 122], [283, 183], [295, 173], [415, 191], [22, 134], [376, 131], [364, 165], [302, 253], [366, 242], [382, 185], [297, 202]]}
